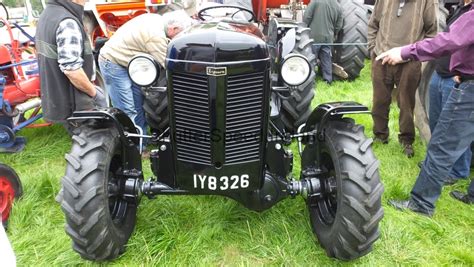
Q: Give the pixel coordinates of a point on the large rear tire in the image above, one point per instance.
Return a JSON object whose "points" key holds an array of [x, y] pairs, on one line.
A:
{"points": [[296, 108], [354, 31], [156, 106], [98, 219], [422, 99], [346, 220]]}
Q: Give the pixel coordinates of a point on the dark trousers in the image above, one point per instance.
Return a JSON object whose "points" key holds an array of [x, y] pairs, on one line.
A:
{"points": [[452, 135], [384, 77], [323, 53]]}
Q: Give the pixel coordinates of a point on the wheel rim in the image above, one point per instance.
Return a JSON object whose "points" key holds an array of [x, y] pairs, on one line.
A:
{"points": [[7, 195], [118, 207], [325, 205]]}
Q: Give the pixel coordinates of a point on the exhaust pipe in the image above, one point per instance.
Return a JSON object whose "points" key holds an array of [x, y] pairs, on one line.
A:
{"points": [[30, 104]]}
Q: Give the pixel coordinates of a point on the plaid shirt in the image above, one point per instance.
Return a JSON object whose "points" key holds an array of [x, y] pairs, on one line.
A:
{"points": [[70, 46]]}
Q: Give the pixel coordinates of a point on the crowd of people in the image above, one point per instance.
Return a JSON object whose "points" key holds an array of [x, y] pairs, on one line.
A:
{"points": [[399, 36]]}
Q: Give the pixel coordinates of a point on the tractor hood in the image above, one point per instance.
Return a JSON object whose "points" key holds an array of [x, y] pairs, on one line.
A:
{"points": [[218, 42]]}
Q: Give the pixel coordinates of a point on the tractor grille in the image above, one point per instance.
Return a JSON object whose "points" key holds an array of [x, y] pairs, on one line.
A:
{"points": [[191, 107], [244, 117]]}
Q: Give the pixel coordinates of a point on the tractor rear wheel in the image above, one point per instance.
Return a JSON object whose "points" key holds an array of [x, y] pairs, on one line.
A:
{"points": [[296, 108], [354, 31], [10, 189], [345, 218], [422, 100], [156, 106], [98, 218]]}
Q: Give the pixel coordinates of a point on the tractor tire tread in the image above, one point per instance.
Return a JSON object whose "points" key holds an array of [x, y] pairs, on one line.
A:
{"points": [[359, 209]]}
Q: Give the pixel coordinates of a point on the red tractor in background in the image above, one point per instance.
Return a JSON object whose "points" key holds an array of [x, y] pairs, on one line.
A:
{"points": [[20, 103]]}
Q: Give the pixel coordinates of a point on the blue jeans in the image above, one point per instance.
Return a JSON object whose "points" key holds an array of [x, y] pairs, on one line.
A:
{"points": [[440, 88], [323, 52], [452, 135], [124, 94]]}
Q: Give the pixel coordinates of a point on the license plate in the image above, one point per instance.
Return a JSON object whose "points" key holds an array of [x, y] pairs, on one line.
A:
{"points": [[223, 183]]}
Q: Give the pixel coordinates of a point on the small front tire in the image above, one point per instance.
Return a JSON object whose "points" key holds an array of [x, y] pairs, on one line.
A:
{"points": [[346, 220], [98, 219]]}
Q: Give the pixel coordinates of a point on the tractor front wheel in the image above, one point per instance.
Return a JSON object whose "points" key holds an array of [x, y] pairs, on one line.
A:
{"points": [[98, 218], [345, 217]]}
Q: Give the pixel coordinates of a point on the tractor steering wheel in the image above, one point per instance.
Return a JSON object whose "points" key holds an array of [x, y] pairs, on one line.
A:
{"points": [[204, 12]]}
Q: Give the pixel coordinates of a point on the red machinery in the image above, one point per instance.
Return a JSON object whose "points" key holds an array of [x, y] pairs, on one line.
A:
{"points": [[10, 189], [20, 102]]}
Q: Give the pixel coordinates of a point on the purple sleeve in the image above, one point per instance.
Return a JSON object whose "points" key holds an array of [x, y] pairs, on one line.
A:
{"points": [[461, 34]]}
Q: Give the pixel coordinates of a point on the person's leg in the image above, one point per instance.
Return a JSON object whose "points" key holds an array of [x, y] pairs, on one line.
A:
{"points": [[119, 86], [326, 63], [436, 95], [382, 97], [470, 190], [461, 168], [138, 99], [453, 133], [316, 49], [408, 80]]}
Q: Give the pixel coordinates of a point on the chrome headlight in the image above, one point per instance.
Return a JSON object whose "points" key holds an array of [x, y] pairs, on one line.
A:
{"points": [[143, 70], [295, 69]]}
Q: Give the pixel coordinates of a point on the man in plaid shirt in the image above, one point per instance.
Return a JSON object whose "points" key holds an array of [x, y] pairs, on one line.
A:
{"points": [[65, 62]]}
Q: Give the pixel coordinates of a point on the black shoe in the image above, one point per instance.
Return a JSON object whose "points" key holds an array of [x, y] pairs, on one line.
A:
{"points": [[450, 181], [408, 150], [381, 140], [462, 197], [410, 205]]}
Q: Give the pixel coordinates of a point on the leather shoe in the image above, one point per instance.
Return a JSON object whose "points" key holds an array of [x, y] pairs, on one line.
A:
{"points": [[339, 71], [462, 197], [410, 205], [380, 140], [408, 150]]}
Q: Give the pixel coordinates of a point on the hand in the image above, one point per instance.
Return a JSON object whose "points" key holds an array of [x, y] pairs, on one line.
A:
{"points": [[457, 79], [100, 98], [392, 56]]}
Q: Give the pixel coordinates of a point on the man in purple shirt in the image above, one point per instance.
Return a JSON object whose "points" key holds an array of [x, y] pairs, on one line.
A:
{"points": [[455, 129]]}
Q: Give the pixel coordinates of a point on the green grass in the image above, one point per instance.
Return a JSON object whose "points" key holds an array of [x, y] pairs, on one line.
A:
{"points": [[191, 230]]}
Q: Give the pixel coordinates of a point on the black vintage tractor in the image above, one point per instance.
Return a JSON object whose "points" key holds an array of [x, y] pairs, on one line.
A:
{"points": [[225, 137]]}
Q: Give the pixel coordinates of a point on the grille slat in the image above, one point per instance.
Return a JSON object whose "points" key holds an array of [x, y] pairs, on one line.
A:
{"points": [[245, 102], [242, 148], [244, 117], [191, 117], [191, 106], [185, 97]]}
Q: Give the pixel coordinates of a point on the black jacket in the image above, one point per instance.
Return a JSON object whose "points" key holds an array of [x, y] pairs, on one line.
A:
{"points": [[58, 96]]}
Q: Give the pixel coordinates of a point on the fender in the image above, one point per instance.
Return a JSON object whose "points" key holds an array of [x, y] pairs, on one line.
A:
{"points": [[331, 111], [119, 120]]}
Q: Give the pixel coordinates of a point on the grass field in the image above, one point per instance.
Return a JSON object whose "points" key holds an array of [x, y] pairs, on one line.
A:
{"points": [[218, 231]]}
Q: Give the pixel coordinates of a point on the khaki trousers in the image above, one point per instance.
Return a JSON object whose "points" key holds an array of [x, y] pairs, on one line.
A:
{"points": [[406, 77]]}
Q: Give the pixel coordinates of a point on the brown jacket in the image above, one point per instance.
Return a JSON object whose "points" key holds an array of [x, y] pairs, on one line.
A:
{"points": [[387, 30]]}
